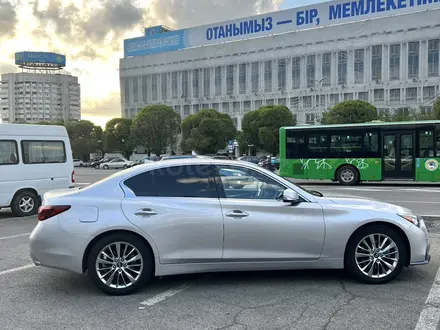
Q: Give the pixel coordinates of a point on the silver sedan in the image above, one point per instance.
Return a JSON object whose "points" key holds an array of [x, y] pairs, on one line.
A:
{"points": [[178, 217]]}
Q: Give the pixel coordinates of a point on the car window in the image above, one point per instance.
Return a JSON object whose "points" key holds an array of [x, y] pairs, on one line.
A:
{"points": [[177, 181], [244, 183]]}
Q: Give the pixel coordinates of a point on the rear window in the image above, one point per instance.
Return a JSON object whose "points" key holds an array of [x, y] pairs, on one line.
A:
{"points": [[8, 152], [43, 152]]}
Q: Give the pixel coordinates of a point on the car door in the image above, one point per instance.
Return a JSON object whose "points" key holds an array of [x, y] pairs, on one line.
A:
{"points": [[259, 226], [178, 207]]}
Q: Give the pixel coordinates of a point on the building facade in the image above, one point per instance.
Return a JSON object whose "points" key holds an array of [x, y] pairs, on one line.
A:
{"points": [[391, 62]]}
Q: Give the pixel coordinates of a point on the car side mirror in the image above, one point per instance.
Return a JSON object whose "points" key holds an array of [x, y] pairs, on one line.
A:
{"points": [[290, 196]]}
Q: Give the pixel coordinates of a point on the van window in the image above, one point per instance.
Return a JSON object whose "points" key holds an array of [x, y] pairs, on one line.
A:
{"points": [[43, 152], [8, 152]]}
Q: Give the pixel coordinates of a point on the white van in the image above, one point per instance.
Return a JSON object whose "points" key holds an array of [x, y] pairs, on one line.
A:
{"points": [[33, 160]]}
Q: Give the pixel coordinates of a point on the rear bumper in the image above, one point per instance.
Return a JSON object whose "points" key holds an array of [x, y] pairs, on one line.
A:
{"points": [[51, 247]]}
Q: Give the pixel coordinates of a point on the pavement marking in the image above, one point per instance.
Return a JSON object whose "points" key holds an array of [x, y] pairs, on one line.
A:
{"points": [[17, 269], [14, 236], [430, 315], [162, 296]]}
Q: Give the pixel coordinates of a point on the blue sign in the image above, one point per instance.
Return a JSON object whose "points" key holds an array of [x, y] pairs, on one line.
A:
{"points": [[152, 31], [29, 58], [290, 20], [163, 42]]}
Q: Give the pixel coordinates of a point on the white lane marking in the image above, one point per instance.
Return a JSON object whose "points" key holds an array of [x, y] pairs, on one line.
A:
{"points": [[164, 295], [14, 236], [430, 315], [17, 269]]}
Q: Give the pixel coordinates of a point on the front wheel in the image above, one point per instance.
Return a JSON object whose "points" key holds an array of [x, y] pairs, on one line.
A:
{"points": [[348, 175], [105, 167], [375, 254], [120, 264]]}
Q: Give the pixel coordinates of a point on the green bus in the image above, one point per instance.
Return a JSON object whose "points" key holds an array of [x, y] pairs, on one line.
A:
{"points": [[352, 153]]}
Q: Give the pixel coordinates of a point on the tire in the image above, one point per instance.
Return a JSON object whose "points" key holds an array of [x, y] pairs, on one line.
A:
{"points": [[353, 265], [22, 209], [125, 167], [348, 175], [105, 167], [96, 167], [146, 271]]}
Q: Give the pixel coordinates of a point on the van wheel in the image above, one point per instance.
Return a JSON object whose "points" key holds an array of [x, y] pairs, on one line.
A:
{"points": [[25, 203]]}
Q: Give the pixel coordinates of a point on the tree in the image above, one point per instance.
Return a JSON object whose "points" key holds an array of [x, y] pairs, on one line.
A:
{"points": [[85, 138], [156, 128], [411, 115], [261, 127], [436, 109], [349, 112], [118, 136], [207, 131]]}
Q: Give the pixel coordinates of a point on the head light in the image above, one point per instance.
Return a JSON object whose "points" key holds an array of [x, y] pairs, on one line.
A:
{"points": [[411, 218]]}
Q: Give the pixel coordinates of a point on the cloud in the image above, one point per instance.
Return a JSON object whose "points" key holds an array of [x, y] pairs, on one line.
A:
{"points": [[109, 106], [8, 68], [8, 19]]}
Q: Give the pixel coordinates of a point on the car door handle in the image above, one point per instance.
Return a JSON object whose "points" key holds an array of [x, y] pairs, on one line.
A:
{"points": [[236, 214], [145, 213]]}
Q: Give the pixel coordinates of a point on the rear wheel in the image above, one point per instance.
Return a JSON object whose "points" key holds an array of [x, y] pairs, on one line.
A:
{"points": [[348, 175], [25, 203], [105, 167], [375, 254], [120, 264]]}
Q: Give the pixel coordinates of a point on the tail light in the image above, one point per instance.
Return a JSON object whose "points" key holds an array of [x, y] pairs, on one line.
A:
{"points": [[45, 212], [73, 176]]}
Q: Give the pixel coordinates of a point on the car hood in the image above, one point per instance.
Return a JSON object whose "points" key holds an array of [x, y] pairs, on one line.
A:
{"points": [[365, 204]]}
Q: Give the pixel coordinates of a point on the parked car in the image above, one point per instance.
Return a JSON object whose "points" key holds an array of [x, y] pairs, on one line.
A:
{"points": [[175, 217], [251, 159], [116, 163], [33, 160], [141, 161], [181, 157], [96, 164], [78, 163]]}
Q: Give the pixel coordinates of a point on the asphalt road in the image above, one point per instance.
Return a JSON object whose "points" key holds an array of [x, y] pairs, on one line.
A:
{"points": [[39, 298]]}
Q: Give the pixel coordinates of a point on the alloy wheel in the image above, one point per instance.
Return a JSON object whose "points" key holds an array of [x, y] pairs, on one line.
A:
{"points": [[26, 204]]}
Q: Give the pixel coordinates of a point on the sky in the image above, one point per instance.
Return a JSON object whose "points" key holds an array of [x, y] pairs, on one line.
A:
{"points": [[91, 32]]}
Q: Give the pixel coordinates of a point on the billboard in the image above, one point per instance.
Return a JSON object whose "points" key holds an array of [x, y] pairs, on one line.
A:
{"points": [[290, 20], [39, 59], [163, 42]]}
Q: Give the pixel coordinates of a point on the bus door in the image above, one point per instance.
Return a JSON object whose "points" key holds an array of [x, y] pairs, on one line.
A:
{"points": [[398, 154]]}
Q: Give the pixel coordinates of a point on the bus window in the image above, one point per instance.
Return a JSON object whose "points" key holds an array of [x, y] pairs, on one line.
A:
{"points": [[437, 142], [371, 142], [346, 143], [295, 146], [426, 139], [318, 143]]}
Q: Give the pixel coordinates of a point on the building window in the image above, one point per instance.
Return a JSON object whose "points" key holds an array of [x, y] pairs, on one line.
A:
{"points": [[311, 70], [359, 66], [242, 78], [135, 89], [268, 76], [426, 111], [411, 94], [322, 98], [310, 118], [413, 59], [429, 93], [326, 68], [395, 95], [258, 104], [395, 62], [154, 87], [307, 101], [196, 108], [230, 79], [164, 86], [282, 74], [270, 102], [247, 106], [348, 96], [255, 77], [363, 96], [184, 84], [342, 67], [186, 110], [296, 72], [379, 95], [174, 85], [376, 62], [282, 101], [206, 82], [127, 90], [433, 58], [218, 81], [334, 99], [225, 107], [195, 83]]}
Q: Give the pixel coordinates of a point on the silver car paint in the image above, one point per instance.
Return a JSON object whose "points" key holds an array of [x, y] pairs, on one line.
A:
{"points": [[190, 243]]}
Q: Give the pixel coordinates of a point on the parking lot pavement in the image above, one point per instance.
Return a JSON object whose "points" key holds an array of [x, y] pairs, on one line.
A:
{"points": [[39, 298]]}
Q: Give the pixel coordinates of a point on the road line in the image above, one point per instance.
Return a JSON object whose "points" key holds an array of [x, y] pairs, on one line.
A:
{"points": [[17, 269], [430, 315], [14, 236], [164, 295]]}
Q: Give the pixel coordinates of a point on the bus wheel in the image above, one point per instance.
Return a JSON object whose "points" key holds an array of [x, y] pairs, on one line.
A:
{"points": [[348, 175]]}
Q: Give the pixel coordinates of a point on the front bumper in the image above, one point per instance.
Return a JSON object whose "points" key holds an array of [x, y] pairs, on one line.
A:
{"points": [[51, 247], [420, 244]]}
